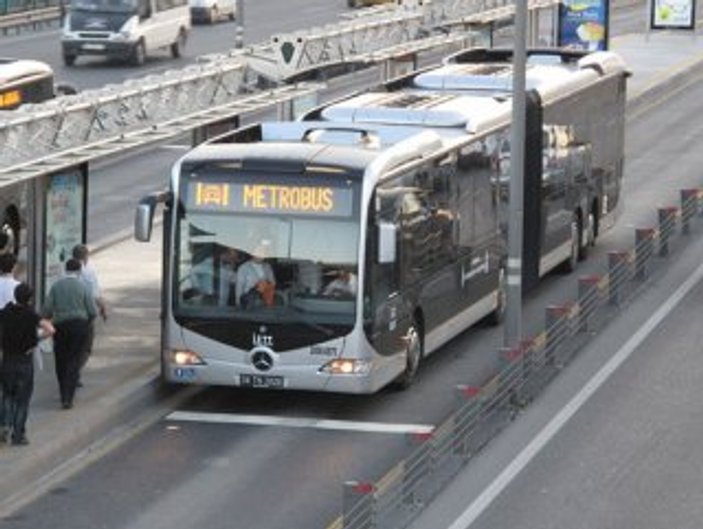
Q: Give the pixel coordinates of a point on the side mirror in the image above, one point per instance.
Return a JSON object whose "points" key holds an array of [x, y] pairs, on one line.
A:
{"points": [[386, 242], [144, 220]]}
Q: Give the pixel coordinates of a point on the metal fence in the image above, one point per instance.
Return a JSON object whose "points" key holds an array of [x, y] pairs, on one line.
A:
{"points": [[16, 14], [393, 501]]}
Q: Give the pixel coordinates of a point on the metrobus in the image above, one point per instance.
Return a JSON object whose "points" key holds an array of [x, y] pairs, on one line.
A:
{"points": [[335, 252], [24, 81]]}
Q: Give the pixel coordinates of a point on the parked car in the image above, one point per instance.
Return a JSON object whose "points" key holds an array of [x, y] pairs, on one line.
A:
{"points": [[210, 11]]}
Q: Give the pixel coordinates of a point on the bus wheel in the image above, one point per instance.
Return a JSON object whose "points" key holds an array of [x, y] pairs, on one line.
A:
{"points": [[498, 315], [413, 357], [69, 59], [575, 245], [588, 236], [177, 47], [139, 54]]}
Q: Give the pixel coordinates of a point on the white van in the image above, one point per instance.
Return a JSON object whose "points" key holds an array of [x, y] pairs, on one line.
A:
{"points": [[210, 11], [125, 29]]}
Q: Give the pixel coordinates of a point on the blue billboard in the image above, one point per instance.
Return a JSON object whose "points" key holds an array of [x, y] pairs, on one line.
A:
{"points": [[583, 24]]}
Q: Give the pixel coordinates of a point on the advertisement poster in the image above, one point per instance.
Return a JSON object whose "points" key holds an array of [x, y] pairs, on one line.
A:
{"points": [[673, 14], [583, 24], [64, 222]]}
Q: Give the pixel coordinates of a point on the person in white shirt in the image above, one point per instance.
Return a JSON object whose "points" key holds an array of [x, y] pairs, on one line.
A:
{"points": [[344, 285], [7, 279], [255, 280]]}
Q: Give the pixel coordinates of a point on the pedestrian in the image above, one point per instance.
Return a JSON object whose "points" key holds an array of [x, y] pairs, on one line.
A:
{"points": [[71, 307], [22, 329], [90, 278], [7, 295], [8, 283]]}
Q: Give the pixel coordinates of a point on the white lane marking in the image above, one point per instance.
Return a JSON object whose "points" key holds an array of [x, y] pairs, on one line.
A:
{"points": [[484, 500], [176, 147], [303, 422]]}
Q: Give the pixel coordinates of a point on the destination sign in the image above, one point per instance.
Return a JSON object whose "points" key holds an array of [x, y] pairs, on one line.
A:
{"points": [[10, 99], [315, 200]]}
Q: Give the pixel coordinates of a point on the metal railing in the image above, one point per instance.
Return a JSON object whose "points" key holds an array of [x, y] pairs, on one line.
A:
{"points": [[396, 498], [18, 14]]}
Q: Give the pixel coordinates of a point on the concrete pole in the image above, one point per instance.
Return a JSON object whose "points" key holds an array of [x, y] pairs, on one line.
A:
{"points": [[239, 29], [513, 322]]}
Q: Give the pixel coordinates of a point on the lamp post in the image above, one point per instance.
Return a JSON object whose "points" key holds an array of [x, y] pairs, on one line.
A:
{"points": [[513, 322], [239, 29]]}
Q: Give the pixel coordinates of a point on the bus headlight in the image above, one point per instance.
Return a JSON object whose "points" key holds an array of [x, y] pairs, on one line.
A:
{"points": [[186, 358], [346, 366]]}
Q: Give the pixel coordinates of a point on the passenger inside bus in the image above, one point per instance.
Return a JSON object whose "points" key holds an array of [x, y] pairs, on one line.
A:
{"points": [[227, 277], [344, 285]]}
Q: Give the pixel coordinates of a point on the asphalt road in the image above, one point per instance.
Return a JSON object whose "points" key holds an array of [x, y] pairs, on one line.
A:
{"points": [[199, 474]]}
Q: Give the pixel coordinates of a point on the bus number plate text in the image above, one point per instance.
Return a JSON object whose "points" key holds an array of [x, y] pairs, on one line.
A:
{"points": [[261, 381]]}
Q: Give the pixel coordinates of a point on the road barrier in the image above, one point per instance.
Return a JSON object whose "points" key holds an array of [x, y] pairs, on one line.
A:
{"points": [[397, 497], [15, 16]]}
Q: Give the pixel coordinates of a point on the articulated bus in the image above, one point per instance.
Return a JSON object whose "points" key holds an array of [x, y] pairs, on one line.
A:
{"points": [[335, 252], [28, 81], [24, 81]]}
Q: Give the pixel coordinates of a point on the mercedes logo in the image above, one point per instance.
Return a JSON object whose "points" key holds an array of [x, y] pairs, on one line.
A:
{"points": [[262, 360]]}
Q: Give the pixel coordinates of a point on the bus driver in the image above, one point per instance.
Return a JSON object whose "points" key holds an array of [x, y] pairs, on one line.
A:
{"points": [[256, 284]]}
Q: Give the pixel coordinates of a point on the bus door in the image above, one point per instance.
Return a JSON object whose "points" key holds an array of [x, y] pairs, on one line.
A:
{"points": [[386, 309], [477, 220]]}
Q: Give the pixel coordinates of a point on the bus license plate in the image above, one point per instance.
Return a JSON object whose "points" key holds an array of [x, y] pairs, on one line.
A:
{"points": [[261, 381]]}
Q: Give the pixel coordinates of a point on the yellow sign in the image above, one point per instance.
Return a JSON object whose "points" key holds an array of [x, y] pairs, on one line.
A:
{"points": [[10, 99], [212, 194], [288, 198]]}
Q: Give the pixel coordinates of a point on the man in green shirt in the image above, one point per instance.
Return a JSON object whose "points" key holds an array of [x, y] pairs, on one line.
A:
{"points": [[71, 308]]}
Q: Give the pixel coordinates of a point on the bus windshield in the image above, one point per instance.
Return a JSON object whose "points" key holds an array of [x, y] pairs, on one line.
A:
{"points": [[276, 252]]}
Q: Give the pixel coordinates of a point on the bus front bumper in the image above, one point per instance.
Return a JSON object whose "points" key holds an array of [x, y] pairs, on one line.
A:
{"points": [[303, 378]]}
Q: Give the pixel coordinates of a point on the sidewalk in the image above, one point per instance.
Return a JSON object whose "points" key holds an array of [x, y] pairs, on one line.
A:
{"points": [[121, 379]]}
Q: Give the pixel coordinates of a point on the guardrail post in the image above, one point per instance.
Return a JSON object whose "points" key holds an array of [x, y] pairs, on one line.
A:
{"points": [[556, 331], [667, 223], [358, 505], [465, 418], [417, 467], [588, 300], [644, 249], [519, 368], [617, 275], [689, 209]]}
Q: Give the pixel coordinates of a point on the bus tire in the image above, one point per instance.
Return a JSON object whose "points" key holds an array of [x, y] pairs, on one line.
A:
{"points": [[138, 54], [588, 236], [69, 59], [498, 315], [413, 357], [575, 245], [179, 44]]}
